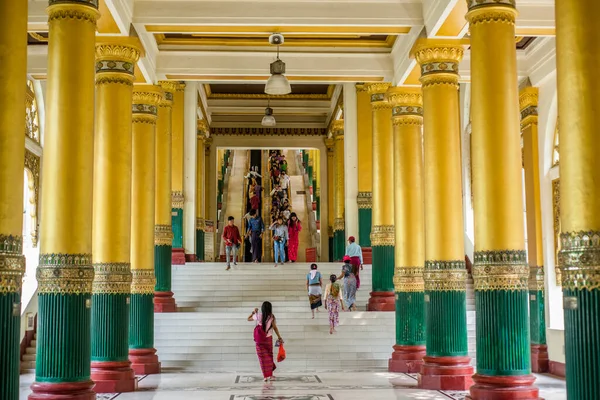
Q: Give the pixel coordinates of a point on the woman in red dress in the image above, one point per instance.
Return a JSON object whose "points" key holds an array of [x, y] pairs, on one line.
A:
{"points": [[294, 228]]}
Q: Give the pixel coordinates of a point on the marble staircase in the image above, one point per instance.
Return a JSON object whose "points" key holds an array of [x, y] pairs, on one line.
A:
{"points": [[28, 359], [210, 332]]}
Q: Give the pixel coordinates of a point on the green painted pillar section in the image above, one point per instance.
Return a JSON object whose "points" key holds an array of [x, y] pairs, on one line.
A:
{"points": [[537, 317], [309, 171], [581, 302], [177, 226], [318, 200], [410, 318], [12, 267], [162, 267], [383, 268], [446, 309], [64, 318], [305, 158], [199, 245], [365, 220], [110, 326], [339, 245], [141, 323]]}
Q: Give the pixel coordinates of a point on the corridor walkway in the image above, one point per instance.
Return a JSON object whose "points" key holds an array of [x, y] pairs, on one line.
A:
{"points": [[235, 195], [299, 203]]}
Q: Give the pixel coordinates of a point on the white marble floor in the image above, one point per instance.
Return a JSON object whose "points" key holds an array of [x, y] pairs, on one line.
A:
{"points": [[322, 385]]}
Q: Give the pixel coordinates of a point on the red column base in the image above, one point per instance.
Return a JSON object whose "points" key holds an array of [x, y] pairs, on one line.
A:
{"points": [[63, 391], [178, 257], [407, 359], [144, 361], [504, 388], [446, 373], [540, 361], [164, 302], [382, 301], [190, 258], [113, 377]]}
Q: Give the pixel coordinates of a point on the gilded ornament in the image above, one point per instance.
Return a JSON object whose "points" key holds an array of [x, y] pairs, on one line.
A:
{"points": [[12, 263], [501, 270], [144, 109], [112, 278], [149, 95], [330, 231], [177, 199], [528, 97], [337, 128], [579, 259], [445, 280], [107, 80], [65, 274], [110, 66], [200, 224], [109, 50], [471, 4], [492, 11], [143, 281], [536, 279], [330, 144], [32, 125], [365, 200], [406, 98], [383, 235], [440, 56], [32, 165], [74, 9], [377, 88], [339, 225], [163, 235], [557, 229], [203, 128], [270, 131], [409, 279], [144, 119]]}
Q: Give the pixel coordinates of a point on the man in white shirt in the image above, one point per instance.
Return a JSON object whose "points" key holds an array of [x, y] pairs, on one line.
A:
{"points": [[284, 181]]}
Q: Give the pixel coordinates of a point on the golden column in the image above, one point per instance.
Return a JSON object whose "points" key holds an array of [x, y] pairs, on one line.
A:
{"points": [[13, 28], [447, 364], [177, 173], [382, 233], [142, 353], [203, 132], [409, 256], [365, 170], [163, 234], [578, 54], [111, 236], [65, 271], [528, 100], [329, 144], [500, 270], [318, 187], [339, 225]]}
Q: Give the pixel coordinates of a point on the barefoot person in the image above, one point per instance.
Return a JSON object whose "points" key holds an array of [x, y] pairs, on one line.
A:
{"points": [[263, 337], [314, 285], [348, 276], [280, 237], [354, 251], [232, 240], [294, 228], [256, 228], [333, 302]]}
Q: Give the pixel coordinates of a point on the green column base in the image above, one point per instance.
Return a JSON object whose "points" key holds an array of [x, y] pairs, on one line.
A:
{"points": [[199, 245], [410, 318], [10, 323], [110, 324], [162, 267], [582, 343], [318, 200], [177, 226], [63, 338], [141, 321], [537, 316], [383, 269], [365, 220], [339, 245], [502, 332], [446, 323]]}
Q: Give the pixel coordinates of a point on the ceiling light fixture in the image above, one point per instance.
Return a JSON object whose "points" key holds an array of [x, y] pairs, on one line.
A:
{"points": [[268, 120], [277, 84]]}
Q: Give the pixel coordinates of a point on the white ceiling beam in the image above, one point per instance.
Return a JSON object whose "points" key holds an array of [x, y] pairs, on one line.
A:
{"points": [[403, 64], [331, 67], [256, 12], [122, 12], [435, 13]]}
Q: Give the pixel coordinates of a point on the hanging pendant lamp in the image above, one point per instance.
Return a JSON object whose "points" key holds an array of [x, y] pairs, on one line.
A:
{"points": [[268, 120], [277, 84]]}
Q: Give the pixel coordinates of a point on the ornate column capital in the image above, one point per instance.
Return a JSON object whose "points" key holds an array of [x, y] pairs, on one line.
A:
{"points": [[163, 235], [203, 129], [83, 10], [500, 270], [486, 11], [12, 263], [337, 129], [409, 279], [377, 92], [383, 235], [169, 88], [146, 99], [579, 260], [115, 59], [528, 104], [329, 144], [407, 105], [439, 59], [365, 200], [177, 199]]}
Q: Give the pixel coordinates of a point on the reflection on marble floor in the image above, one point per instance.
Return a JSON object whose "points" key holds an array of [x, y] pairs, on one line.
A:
{"points": [[330, 385]]}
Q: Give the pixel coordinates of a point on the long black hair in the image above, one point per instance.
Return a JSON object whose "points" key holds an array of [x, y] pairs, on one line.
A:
{"points": [[266, 310]]}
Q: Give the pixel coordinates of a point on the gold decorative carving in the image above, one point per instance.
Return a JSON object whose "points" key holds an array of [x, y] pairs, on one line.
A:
{"points": [[112, 278], [528, 97], [428, 51], [169, 87], [163, 235], [111, 51], [434, 80], [270, 131], [260, 96], [203, 128], [492, 14], [330, 231], [106, 80], [501, 270], [365, 200], [399, 120], [445, 280], [557, 229], [73, 11], [339, 224], [337, 128], [177, 199], [405, 97], [536, 278], [143, 281], [486, 3], [65, 274], [12, 263], [32, 166], [579, 259], [144, 119], [383, 235], [409, 279], [32, 123], [200, 224], [377, 87], [147, 94]]}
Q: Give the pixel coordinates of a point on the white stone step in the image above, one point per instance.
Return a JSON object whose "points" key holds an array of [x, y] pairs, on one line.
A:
{"points": [[30, 350], [29, 357]]}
